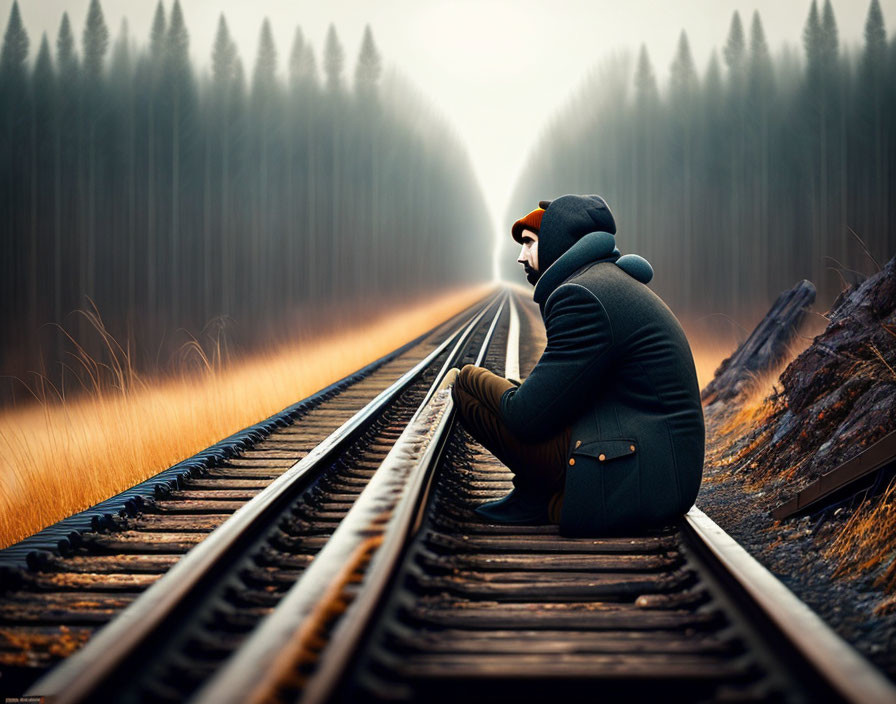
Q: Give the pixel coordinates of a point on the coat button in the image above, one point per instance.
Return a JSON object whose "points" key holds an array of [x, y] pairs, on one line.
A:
{"points": [[572, 461], [578, 443], [631, 447], [601, 457]]}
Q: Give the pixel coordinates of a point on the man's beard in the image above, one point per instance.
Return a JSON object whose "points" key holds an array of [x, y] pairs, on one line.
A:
{"points": [[531, 274]]}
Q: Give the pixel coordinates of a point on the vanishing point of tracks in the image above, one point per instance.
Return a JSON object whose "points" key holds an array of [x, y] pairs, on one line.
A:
{"points": [[347, 565]]}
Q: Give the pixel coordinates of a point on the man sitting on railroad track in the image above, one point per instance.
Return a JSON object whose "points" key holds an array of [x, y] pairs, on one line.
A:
{"points": [[606, 434]]}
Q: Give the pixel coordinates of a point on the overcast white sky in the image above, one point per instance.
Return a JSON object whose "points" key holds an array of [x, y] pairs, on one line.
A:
{"points": [[497, 69]]}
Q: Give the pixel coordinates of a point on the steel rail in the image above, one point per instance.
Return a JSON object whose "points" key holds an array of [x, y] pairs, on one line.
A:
{"points": [[79, 675], [374, 531], [58, 537], [845, 670], [512, 359]]}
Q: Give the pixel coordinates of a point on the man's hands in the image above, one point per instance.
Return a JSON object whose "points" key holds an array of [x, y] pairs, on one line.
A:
{"points": [[449, 379]]}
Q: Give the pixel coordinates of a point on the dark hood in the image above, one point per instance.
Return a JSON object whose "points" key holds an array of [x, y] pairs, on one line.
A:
{"points": [[590, 249], [566, 220]]}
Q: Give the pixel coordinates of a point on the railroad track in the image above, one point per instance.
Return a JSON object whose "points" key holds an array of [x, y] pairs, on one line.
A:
{"points": [[380, 583], [49, 611]]}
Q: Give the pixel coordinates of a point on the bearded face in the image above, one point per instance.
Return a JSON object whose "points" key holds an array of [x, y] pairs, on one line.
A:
{"points": [[532, 275], [529, 255]]}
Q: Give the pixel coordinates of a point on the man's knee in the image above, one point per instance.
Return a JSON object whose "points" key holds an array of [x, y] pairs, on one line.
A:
{"points": [[461, 389], [465, 376]]}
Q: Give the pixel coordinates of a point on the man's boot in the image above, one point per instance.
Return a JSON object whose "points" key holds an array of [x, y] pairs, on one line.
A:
{"points": [[520, 506]]}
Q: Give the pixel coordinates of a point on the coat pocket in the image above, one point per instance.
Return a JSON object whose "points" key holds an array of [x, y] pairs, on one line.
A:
{"points": [[603, 488]]}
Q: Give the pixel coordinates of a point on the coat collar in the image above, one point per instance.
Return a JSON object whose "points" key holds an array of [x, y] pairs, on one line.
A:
{"points": [[591, 248]]}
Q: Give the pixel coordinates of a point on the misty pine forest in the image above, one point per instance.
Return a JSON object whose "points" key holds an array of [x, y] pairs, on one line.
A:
{"points": [[225, 204], [741, 177], [228, 205]]}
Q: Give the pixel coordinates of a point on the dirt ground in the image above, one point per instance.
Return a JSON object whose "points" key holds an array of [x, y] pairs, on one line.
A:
{"points": [[793, 551]]}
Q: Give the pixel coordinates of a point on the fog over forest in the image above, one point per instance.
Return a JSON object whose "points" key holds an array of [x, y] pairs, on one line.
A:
{"points": [[230, 206], [740, 177], [250, 198]]}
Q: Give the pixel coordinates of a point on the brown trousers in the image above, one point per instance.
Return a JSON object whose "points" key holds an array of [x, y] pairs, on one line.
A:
{"points": [[538, 466]]}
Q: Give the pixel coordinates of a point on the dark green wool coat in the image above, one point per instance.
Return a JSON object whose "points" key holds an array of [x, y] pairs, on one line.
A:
{"points": [[618, 368]]}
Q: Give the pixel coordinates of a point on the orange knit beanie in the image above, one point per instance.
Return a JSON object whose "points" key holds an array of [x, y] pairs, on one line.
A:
{"points": [[532, 221]]}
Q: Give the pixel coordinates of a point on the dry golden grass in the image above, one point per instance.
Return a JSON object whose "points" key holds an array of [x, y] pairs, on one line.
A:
{"points": [[865, 543], [750, 413], [57, 458]]}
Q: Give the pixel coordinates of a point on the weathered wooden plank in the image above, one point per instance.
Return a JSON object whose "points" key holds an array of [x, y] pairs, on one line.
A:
{"points": [[143, 541], [227, 484], [608, 587], [548, 641], [574, 665], [112, 563], [548, 563], [267, 474], [86, 581], [269, 557], [549, 544], [177, 505], [63, 607], [528, 615], [188, 522], [40, 646], [221, 494]]}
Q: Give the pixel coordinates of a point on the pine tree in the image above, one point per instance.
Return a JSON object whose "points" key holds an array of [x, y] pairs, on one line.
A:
{"points": [[683, 78], [223, 56], [158, 34], [713, 165], [94, 43], [812, 43], [239, 76], [15, 47], [310, 64], [759, 102], [874, 57], [682, 93], [735, 47], [834, 136], [67, 130], [217, 243], [41, 252], [873, 70], [120, 67], [713, 77], [297, 60], [265, 75], [266, 132], [645, 80], [122, 138], [65, 52], [735, 59], [95, 40], [14, 156], [334, 58], [177, 45], [369, 68], [829, 38], [302, 66], [43, 80], [178, 79], [643, 176], [760, 59]]}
